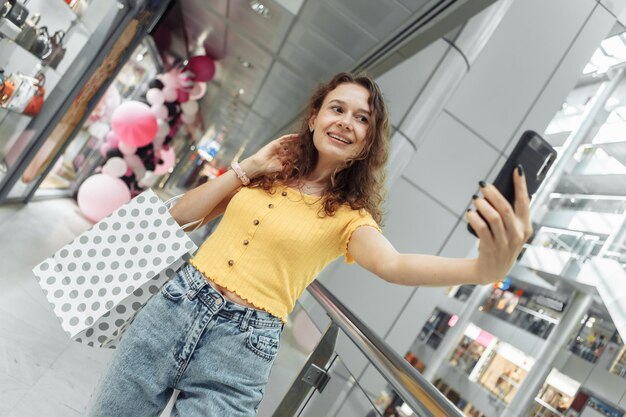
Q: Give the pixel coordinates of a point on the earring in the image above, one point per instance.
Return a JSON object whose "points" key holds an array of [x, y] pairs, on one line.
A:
{"points": [[311, 129]]}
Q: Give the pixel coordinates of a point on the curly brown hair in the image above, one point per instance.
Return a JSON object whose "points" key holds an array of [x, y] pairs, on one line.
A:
{"points": [[361, 183]]}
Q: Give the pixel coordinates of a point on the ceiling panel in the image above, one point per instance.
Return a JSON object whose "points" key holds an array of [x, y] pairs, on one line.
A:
{"points": [[293, 88], [308, 65], [267, 32], [318, 49], [413, 5], [331, 24], [379, 18], [219, 6], [239, 46], [269, 106]]}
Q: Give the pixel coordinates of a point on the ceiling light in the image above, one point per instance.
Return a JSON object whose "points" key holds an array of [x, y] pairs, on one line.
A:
{"points": [[260, 9], [241, 91]]}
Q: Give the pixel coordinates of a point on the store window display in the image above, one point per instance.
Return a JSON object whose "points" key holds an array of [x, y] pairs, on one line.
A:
{"points": [[462, 404], [534, 312], [592, 338], [90, 145], [471, 349], [556, 396], [504, 370], [38, 63], [436, 327]]}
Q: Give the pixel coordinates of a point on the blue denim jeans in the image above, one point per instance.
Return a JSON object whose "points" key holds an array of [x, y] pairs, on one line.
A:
{"points": [[188, 337]]}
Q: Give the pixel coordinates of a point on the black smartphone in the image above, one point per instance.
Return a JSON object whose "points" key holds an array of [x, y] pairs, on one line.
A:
{"points": [[536, 157]]}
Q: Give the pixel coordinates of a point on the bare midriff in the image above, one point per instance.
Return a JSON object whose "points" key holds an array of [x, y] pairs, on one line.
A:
{"points": [[229, 295]]}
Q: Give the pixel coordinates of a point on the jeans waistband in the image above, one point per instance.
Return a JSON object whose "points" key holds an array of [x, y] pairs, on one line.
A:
{"points": [[246, 316]]}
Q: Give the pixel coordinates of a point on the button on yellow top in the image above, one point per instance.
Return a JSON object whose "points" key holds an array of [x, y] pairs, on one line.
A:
{"points": [[231, 262], [256, 222]]}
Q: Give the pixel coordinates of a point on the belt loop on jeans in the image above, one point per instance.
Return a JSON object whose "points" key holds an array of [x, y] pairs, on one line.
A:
{"points": [[243, 326], [189, 271]]}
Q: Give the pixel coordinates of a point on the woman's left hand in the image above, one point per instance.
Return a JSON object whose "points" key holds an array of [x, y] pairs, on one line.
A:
{"points": [[503, 233]]}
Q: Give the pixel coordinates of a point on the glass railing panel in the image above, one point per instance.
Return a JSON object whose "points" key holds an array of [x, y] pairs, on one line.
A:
{"points": [[345, 396], [361, 375]]}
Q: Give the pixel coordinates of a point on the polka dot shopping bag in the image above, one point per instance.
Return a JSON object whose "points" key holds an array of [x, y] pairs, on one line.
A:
{"points": [[98, 282]]}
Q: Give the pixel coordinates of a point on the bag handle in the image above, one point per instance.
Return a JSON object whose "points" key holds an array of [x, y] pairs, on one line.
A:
{"points": [[170, 203]]}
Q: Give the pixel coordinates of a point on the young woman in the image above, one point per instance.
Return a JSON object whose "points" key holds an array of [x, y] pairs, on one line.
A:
{"points": [[300, 202]]}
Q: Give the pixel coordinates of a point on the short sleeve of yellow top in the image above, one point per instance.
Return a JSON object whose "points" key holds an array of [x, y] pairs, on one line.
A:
{"points": [[269, 247]]}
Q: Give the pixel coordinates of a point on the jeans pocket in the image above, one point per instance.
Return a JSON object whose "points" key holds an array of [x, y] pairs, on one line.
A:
{"points": [[175, 289], [264, 342]]}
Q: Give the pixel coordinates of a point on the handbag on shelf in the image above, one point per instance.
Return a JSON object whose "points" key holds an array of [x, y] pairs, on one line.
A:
{"points": [[5, 7], [7, 87], [18, 13], [58, 50], [28, 94], [28, 36], [42, 47], [8, 29], [34, 105], [98, 282]]}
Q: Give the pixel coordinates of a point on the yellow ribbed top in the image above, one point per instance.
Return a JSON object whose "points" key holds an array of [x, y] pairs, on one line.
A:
{"points": [[269, 247]]}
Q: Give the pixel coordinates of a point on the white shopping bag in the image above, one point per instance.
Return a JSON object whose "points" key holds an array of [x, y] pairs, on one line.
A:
{"points": [[98, 282]]}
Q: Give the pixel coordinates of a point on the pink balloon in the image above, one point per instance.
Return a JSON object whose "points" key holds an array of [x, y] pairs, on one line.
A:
{"points": [[170, 81], [197, 91], [170, 94], [100, 195], [203, 67], [112, 140], [160, 112], [154, 97], [134, 123], [183, 96], [169, 159], [104, 148]]}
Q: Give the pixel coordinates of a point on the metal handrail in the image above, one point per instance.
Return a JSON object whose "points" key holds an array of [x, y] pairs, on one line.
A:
{"points": [[419, 394]]}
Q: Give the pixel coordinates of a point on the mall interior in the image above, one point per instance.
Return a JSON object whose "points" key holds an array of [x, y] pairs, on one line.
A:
{"points": [[463, 79]]}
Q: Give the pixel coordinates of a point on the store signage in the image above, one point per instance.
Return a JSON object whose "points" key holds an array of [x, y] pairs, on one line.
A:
{"points": [[550, 303]]}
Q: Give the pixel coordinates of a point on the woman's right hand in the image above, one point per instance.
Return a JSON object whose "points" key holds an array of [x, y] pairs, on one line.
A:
{"points": [[269, 158]]}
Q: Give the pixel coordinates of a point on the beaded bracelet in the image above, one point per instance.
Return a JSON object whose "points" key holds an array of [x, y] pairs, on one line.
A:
{"points": [[240, 173]]}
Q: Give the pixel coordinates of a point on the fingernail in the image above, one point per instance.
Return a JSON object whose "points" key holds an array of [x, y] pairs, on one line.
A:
{"points": [[474, 197], [482, 184], [520, 170]]}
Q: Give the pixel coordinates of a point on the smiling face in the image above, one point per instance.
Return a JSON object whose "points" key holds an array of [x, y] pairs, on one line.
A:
{"points": [[340, 126]]}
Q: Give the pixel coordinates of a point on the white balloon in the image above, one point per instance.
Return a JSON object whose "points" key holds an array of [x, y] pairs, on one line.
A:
{"points": [[164, 128], [160, 112], [190, 107], [154, 96], [115, 167], [126, 149], [136, 164], [170, 94], [188, 118]]}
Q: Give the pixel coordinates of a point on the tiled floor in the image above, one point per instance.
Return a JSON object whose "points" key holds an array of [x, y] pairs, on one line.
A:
{"points": [[42, 372]]}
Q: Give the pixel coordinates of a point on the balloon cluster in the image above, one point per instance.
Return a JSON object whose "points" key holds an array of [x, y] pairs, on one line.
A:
{"points": [[137, 149]]}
